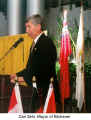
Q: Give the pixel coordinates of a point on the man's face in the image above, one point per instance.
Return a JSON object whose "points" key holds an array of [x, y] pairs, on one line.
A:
{"points": [[32, 29]]}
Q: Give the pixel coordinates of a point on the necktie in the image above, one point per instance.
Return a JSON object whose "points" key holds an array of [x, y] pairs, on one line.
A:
{"points": [[32, 46]]}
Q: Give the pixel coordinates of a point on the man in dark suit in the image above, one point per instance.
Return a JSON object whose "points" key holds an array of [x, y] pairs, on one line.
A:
{"points": [[42, 58]]}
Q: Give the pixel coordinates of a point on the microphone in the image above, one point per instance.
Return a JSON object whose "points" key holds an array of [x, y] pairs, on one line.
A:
{"points": [[12, 47], [17, 42]]}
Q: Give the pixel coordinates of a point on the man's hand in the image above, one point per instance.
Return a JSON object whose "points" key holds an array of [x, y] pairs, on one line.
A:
{"points": [[13, 78], [20, 79]]}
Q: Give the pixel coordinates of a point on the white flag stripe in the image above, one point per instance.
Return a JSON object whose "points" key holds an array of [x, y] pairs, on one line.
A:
{"points": [[48, 97], [18, 97], [79, 55], [79, 86]]}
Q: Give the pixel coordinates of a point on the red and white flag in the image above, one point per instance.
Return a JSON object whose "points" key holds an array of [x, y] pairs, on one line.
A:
{"points": [[15, 105], [50, 105], [80, 90], [65, 52]]}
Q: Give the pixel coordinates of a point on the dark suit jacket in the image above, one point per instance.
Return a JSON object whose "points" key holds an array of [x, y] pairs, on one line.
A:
{"points": [[41, 63]]}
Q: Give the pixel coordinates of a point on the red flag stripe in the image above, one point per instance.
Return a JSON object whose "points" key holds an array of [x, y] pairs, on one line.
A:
{"points": [[13, 101]]}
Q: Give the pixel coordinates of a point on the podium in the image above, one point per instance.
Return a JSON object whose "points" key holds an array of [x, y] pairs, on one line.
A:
{"points": [[12, 63], [4, 93], [6, 90]]}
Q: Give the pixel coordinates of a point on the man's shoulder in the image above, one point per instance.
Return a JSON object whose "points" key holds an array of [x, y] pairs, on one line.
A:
{"points": [[45, 38]]}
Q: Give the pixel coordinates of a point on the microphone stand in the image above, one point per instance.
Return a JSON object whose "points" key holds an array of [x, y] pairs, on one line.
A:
{"points": [[11, 48], [6, 53]]}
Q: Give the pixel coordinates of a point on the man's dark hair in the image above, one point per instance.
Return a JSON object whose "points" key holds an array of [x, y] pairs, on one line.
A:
{"points": [[37, 19]]}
